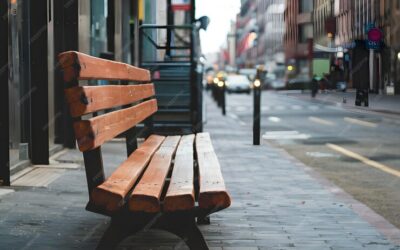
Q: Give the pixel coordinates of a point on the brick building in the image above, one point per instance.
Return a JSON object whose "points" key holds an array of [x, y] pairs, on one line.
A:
{"points": [[259, 31], [298, 32]]}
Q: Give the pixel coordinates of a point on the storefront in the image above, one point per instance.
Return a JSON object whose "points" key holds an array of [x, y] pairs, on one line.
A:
{"points": [[34, 120]]}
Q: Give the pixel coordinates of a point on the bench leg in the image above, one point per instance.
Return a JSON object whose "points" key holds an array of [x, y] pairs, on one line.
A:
{"points": [[114, 234], [186, 229], [203, 220]]}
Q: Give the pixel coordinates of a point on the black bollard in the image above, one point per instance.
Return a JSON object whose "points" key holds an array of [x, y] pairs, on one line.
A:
{"points": [[256, 112], [215, 90], [223, 96], [362, 97], [218, 93]]}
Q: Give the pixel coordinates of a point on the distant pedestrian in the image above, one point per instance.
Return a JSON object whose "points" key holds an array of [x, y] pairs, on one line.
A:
{"points": [[314, 86]]}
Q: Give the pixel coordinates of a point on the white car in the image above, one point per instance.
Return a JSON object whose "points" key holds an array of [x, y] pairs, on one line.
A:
{"points": [[238, 84]]}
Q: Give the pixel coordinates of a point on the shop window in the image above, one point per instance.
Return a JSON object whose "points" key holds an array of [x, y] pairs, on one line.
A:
{"points": [[305, 6], [305, 32]]}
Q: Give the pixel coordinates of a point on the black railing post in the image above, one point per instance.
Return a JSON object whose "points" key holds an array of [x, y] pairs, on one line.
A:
{"points": [[170, 21], [66, 20], [4, 109], [256, 112], [39, 145]]}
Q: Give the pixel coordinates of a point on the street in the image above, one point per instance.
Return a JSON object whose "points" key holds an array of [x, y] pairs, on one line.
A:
{"points": [[356, 150]]}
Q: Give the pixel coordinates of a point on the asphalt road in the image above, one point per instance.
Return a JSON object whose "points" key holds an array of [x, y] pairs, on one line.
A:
{"points": [[357, 150]]}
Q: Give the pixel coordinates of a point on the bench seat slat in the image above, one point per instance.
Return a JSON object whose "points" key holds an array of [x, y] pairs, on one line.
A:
{"points": [[94, 132], [147, 193], [79, 66], [180, 194], [88, 99], [111, 193], [212, 190]]}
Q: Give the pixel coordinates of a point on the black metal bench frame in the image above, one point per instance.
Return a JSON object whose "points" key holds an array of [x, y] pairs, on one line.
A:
{"points": [[124, 222]]}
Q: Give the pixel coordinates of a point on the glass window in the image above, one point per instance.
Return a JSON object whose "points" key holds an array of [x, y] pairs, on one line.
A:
{"points": [[305, 6], [305, 32]]}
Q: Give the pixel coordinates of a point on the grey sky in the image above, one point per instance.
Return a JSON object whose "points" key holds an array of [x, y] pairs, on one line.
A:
{"points": [[221, 12]]}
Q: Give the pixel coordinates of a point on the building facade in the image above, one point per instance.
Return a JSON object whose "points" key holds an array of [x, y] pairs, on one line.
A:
{"points": [[299, 32], [260, 28], [271, 30], [392, 10], [324, 23], [246, 34], [35, 122], [353, 20]]}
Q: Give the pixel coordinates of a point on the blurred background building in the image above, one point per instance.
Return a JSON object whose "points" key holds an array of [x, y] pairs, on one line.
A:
{"points": [[319, 37], [38, 123], [259, 33], [298, 37]]}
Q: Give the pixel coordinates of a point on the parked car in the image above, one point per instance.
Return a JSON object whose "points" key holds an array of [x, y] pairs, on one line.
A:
{"points": [[278, 83], [300, 82], [269, 78], [238, 84], [249, 72]]}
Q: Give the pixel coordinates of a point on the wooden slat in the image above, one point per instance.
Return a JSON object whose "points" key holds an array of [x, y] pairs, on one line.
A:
{"points": [[110, 195], [180, 194], [88, 99], [79, 66], [212, 190], [147, 193], [94, 132]]}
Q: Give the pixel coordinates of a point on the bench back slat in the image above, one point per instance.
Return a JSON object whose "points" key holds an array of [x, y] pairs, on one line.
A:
{"points": [[94, 132], [79, 66], [87, 99]]}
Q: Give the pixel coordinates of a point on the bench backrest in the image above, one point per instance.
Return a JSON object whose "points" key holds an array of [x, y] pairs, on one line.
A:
{"points": [[136, 101]]}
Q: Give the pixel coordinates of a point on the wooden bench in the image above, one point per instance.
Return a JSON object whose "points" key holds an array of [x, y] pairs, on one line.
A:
{"points": [[165, 183]]}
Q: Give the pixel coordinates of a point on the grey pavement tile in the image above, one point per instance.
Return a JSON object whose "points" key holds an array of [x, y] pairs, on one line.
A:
{"points": [[276, 205]]}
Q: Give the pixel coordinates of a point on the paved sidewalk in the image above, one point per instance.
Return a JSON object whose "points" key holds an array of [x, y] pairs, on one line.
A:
{"points": [[278, 203], [378, 103]]}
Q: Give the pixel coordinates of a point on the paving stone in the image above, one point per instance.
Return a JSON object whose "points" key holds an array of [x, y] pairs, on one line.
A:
{"points": [[276, 205]]}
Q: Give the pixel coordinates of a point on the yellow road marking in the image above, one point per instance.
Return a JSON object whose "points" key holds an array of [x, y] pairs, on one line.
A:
{"points": [[365, 160], [360, 122], [321, 121]]}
